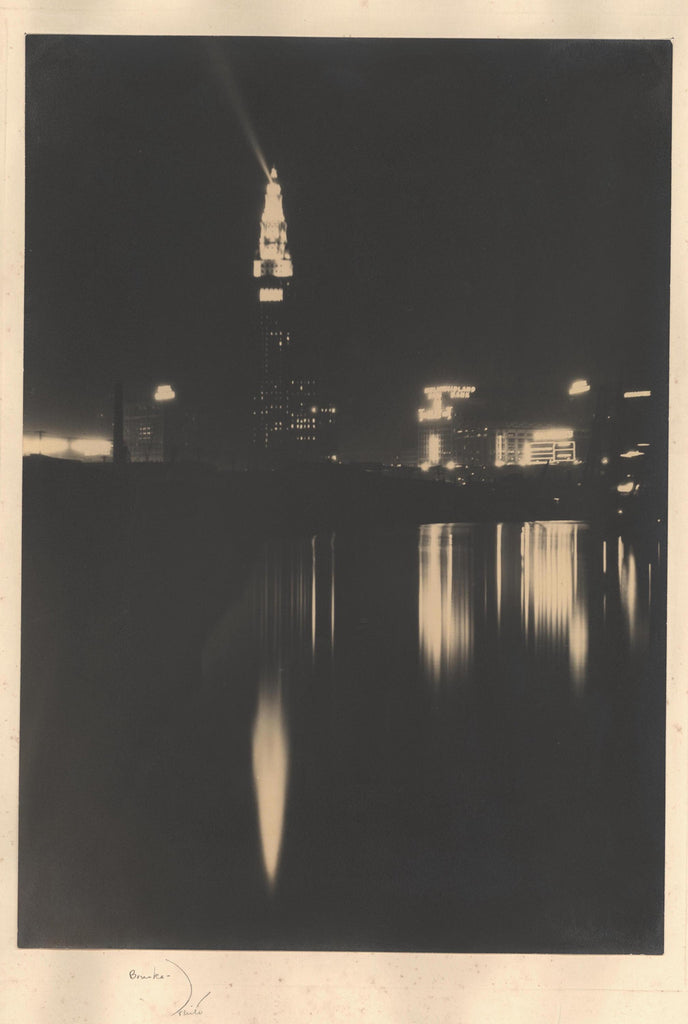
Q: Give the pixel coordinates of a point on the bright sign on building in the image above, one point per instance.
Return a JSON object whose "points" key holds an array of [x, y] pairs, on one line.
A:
{"points": [[552, 434], [270, 294], [438, 410]]}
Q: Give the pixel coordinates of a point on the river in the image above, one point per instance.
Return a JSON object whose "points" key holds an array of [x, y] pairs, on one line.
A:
{"points": [[437, 738]]}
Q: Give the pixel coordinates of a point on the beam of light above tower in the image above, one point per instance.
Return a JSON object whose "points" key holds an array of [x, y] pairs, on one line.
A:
{"points": [[221, 68]]}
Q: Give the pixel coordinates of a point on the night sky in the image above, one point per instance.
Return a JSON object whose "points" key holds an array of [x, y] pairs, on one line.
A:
{"points": [[484, 212]]}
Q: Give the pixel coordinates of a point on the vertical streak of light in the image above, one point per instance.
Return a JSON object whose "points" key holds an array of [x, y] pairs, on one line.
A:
{"points": [[446, 599], [499, 575], [270, 773], [649, 584], [313, 597], [332, 594], [604, 557]]}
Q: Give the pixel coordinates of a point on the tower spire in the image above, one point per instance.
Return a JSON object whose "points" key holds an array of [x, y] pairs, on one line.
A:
{"points": [[274, 258]]}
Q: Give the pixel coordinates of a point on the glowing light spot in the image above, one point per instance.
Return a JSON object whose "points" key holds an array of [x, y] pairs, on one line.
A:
{"points": [[633, 453], [451, 465], [637, 394], [626, 487], [425, 466], [164, 393], [579, 387], [270, 294], [91, 447]]}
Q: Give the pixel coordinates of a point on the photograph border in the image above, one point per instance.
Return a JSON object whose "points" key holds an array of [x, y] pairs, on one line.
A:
{"points": [[90, 986]]}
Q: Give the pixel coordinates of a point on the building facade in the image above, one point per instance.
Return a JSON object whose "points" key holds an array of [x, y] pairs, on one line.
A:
{"points": [[289, 421], [530, 446]]}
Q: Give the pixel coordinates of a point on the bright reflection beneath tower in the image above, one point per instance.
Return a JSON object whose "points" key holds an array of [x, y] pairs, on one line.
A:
{"points": [[293, 588]]}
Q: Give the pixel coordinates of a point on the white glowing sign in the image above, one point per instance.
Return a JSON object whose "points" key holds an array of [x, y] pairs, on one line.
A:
{"points": [[637, 394], [434, 449], [270, 294], [438, 410]]}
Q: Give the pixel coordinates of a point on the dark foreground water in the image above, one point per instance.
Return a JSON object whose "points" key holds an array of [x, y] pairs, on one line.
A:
{"points": [[445, 738]]}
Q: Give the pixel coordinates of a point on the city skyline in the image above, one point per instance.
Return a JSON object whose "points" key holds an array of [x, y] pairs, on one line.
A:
{"points": [[474, 210]]}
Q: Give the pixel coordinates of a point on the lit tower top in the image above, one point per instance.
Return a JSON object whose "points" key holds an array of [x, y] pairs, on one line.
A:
{"points": [[273, 256]]}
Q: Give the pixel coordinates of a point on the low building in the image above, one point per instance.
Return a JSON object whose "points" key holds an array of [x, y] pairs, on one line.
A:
{"points": [[534, 446]]}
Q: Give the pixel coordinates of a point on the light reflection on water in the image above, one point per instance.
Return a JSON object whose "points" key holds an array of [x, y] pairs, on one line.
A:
{"points": [[554, 604], [632, 583], [445, 605], [535, 577], [286, 617], [536, 587]]}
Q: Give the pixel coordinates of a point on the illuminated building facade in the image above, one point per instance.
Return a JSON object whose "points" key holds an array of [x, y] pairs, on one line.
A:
{"points": [[144, 432], [288, 420], [526, 446], [159, 429], [437, 425]]}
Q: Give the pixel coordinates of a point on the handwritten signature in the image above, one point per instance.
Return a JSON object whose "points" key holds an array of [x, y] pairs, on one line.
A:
{"points": [[189, 1007], [193, 1010]]}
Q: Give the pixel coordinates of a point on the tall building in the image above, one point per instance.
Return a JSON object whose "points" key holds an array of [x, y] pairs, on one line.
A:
{"points": [[437, 424], [289, 421]]}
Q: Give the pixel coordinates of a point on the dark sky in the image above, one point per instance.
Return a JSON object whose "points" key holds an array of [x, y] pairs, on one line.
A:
{"points": [[484, 212]]}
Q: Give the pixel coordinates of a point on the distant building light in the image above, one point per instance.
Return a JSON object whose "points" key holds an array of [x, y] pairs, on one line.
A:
{"points": [[553, 434], [644, 444], [626, 487], [90, 447], [632, 454], [164, 393], [637, 394], [451, 465], [434, 449], [579, 387], [499, 462], [604, 460], [425, 466], [271, 294]]}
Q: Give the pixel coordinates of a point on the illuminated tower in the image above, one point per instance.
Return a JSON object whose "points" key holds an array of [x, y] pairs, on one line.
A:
{"points": [[273, 273], [288, 420]]}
